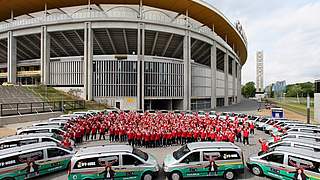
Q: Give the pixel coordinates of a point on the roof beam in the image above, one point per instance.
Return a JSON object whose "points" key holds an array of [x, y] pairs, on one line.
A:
{"points": [[204, 53], [167, 45], [111, 41], [29, 49], [78, 35], [99, 44], [18, 55], [125, 40], [72, 45], [59, 45], [177, 49], [154, 42], [51, 49], [199, 49], [176, 17], [30, 41], [194, 43]]}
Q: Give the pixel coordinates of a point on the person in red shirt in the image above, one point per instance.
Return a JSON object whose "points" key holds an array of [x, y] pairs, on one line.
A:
{"points": [[111, 134], [264, 146], [88, 130], [231, 137], [94, 132], [66, 143], [251, 126], [276, 138], [102, 132], [245, 136]]}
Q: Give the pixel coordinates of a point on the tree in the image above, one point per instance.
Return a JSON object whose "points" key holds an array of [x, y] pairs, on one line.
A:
{"points": [[248, 90]]}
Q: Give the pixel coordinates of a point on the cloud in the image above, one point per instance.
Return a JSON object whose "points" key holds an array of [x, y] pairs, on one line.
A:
{"points": [[288, 32]]}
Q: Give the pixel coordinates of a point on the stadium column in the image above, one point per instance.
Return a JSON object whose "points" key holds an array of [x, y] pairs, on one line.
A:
{"points": [[12, 58], [239, 84], [213, 75], [45, 56], [141, 51], [187, 71], [234, 80], [226, 81], [88, 61]]}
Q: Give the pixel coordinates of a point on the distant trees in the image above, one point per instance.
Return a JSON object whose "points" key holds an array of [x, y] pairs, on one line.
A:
{"points": [[300, 89], [248, 90]]}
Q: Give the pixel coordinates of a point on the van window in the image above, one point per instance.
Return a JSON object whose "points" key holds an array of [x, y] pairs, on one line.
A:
{"points": [[130, 160], [181, 152], [275, 157], [55, 152], [47, 140], [56, 131], [193, 157], [29, 141], [97, 162], [221, 155], [39, 131], [306, 164]]}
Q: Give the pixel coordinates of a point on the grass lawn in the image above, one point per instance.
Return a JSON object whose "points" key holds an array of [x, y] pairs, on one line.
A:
{"points": [[51, 94], [294, 106]]}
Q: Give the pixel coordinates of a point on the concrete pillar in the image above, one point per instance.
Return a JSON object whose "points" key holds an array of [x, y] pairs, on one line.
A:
{"points": [[234, 90], [45, 56], [139, 83], [213, 75], [12, 58], [239, 84], [142, 63], [226, 81], [88, 61], [187, 71]]}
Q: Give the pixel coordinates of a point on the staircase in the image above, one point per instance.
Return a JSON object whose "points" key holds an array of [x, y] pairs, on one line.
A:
{"points": [[17, 94]]}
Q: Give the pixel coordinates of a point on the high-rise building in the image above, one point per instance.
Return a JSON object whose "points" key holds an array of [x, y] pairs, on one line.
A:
{"points": [[259, 82]]}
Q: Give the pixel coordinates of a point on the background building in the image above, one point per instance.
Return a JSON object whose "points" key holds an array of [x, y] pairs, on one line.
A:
{"points": [[317, 101], [259, 75], [134, 55]]}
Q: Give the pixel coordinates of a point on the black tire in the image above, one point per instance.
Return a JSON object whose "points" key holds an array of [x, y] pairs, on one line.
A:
{"points": [[147, 176], [8, 179], [175, 175], [256, 170], [229, 175]]}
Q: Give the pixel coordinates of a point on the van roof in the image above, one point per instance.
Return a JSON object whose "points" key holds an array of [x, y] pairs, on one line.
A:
{"points": [[303, 152], [302, 133], [27, 147], [305, 141], [103, 149], [32, 135], [41, 127], [207, 145]]}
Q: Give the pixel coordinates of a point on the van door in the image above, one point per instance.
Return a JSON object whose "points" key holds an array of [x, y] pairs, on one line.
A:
{"points": [[191, 165], [274, 165], [57, 159], [32, 161], [311, 167], [132, 167]]}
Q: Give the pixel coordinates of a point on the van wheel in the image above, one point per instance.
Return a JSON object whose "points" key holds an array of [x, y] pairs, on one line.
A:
{"points": [[147, 176], [256, 170], [176, 175], [229, 174], [8, 179]]}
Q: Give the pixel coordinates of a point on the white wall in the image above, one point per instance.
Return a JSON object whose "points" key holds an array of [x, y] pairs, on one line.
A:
{"points": [[317, 107], [220, 84]]}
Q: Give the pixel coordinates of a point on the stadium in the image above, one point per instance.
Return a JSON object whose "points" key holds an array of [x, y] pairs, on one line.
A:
{"points": [[130, 54]]}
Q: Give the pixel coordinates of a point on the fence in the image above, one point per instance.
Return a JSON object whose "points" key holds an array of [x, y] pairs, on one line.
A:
{"points": [[10, 109]]}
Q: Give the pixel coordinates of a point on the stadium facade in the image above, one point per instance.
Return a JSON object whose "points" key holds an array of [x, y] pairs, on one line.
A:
{"points": [[134, 54]]}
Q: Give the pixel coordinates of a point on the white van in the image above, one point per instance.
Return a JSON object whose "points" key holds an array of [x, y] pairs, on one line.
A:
{"points": [[41, 129], [32, 160]]}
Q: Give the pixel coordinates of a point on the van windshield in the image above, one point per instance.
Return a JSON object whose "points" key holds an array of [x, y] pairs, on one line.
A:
{"points": [[181, 152], [58, 137], [140, 153]]}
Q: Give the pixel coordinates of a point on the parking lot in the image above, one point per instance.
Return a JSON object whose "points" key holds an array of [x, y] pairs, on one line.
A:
{"points": [[160, 153]]}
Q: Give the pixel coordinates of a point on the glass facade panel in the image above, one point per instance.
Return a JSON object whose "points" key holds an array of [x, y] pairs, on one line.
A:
{"points": [[163, 79]]}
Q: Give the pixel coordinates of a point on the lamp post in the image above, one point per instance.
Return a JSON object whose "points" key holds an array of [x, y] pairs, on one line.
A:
{"points": [[308, 109]]}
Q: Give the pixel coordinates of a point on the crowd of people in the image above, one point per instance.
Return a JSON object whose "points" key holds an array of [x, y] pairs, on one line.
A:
{"points": [[158, 130]]}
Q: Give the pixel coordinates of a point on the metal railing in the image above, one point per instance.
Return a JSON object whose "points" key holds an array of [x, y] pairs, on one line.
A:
{"points": [[10, 109]]}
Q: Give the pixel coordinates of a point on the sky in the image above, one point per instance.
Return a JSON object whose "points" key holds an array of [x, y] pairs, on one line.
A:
{"points": [[287, 31]]}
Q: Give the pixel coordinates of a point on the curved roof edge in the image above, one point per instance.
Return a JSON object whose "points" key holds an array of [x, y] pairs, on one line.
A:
{"points": [[197, 10]]}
